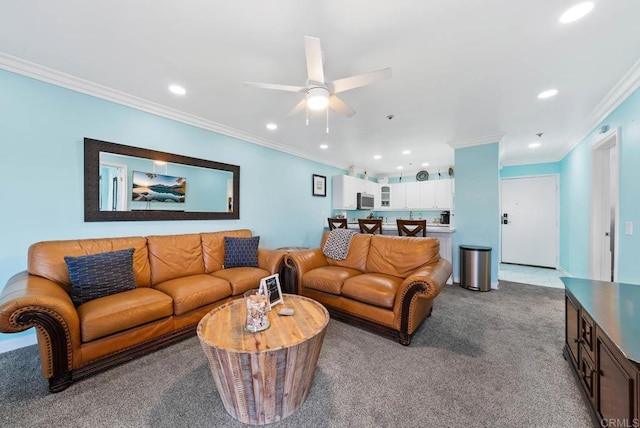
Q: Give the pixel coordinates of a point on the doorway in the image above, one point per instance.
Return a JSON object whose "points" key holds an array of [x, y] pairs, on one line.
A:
{"points": [[604, 209], [530, 221], [113, 187]]}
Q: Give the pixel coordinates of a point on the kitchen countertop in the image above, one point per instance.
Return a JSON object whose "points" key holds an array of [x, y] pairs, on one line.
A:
{"points": [[393, 227]]}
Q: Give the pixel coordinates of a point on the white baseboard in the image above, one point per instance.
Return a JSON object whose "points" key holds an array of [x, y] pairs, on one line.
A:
{"points": [[17, 343]]}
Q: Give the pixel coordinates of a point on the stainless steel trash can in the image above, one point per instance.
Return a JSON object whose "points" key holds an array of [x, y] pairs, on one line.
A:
{"points": [[475, 267]]}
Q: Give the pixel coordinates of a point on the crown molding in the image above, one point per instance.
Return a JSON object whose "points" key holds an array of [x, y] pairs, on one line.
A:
{"points": [[476, 141], [616, 96], [49, 75]]}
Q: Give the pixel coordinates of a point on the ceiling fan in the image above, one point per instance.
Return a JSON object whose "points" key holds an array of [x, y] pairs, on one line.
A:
{"points": [[319, 93]]}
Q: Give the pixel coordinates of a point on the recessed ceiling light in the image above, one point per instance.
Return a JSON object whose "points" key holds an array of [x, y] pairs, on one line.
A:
{"points": [[400, 167], [377, 157], [576, 12], [406, 152], [324, 146], [177, 89], [548, 93], [272, 126], [534, 145], [425, 163]]}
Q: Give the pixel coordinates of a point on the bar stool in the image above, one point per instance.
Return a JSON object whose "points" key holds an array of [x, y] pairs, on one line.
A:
{"points": [[411, 227], [370, 226], [337, 223]]}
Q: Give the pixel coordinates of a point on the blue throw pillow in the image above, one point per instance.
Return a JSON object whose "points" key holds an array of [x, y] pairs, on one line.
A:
{"points": [[100, 275], [240, 251]]}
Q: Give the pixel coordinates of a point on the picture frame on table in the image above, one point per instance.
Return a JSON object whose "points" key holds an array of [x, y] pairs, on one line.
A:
{"points": [[319, 185], [272, 284]]}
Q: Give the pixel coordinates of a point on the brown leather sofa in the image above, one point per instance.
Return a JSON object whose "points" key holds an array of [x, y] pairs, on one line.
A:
{"points": [[179, 278], [386, 283]]}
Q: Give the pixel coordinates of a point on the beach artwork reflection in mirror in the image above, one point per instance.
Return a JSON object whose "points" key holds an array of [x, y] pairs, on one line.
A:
{"points": [[152, 187]]}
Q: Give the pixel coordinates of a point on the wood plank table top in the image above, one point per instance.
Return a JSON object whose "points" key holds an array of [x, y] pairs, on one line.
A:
{"points": [[264, 377], [223, 327]]}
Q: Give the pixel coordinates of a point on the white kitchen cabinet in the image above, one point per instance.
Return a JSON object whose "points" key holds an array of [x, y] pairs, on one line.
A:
{"points": [[422, 195], [430, 194], [444, 193], [373, 188], [345, 189], [397, 196], [412, 194], [385, 196]]}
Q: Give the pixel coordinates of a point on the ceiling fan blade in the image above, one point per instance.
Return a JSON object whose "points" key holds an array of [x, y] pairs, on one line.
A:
{"points": [[340, 106], [359, 80], [276, 86], [300, 106], [313, 50]]}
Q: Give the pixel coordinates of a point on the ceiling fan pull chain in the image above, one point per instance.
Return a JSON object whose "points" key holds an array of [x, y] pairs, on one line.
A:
{"points": [[327, 120], [307, 111]]}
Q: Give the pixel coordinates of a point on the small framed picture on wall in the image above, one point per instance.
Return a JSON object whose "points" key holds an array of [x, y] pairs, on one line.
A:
{"points": [[319, 185]]}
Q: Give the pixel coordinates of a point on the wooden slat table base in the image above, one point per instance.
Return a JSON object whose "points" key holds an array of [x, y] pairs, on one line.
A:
{"points": [[264, 377]]}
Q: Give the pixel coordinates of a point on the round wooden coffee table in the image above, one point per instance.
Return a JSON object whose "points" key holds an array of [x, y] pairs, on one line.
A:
{"points": [[264, 377]]}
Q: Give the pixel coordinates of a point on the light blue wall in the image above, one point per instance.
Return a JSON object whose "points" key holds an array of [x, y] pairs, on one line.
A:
{"points": [[575, 184], [477, 202], [41, 168], [533, 169]]}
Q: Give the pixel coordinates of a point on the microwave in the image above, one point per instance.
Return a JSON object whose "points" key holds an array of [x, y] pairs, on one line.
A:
{"points": [[365, 201]]}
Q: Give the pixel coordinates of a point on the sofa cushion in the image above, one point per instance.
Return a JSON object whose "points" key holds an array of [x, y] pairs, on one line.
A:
{"points": [[242, 278], [373, 288], [328, 279], [46, 259], [123, 311], [241, 252], [213, 247], [195, 291], [357, 255], [174, 256], [401, 255], [99, 275]]}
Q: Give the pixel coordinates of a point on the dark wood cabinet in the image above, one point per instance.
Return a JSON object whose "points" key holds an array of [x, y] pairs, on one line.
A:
{"points": [[572, 329], [616, 387], [603, 347]]}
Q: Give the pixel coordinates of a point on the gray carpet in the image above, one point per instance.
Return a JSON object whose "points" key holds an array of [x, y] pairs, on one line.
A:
{"points": [[482, 360]]}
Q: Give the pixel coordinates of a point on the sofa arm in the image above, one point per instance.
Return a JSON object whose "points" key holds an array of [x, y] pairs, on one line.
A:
{"points": [[425, 283], [434, 275], [32, 301], [300, 262], [270, 260]]}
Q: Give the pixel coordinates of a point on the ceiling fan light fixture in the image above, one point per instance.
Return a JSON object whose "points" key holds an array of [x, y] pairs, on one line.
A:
{"points": [[317, 98]]}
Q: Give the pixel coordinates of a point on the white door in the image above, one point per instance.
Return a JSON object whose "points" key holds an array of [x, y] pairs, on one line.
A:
{"points": [[604, 209], [530, 221]]}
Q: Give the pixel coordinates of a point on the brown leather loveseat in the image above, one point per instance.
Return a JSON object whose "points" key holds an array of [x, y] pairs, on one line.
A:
{"points": [[386, 283], [178, 279]]}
